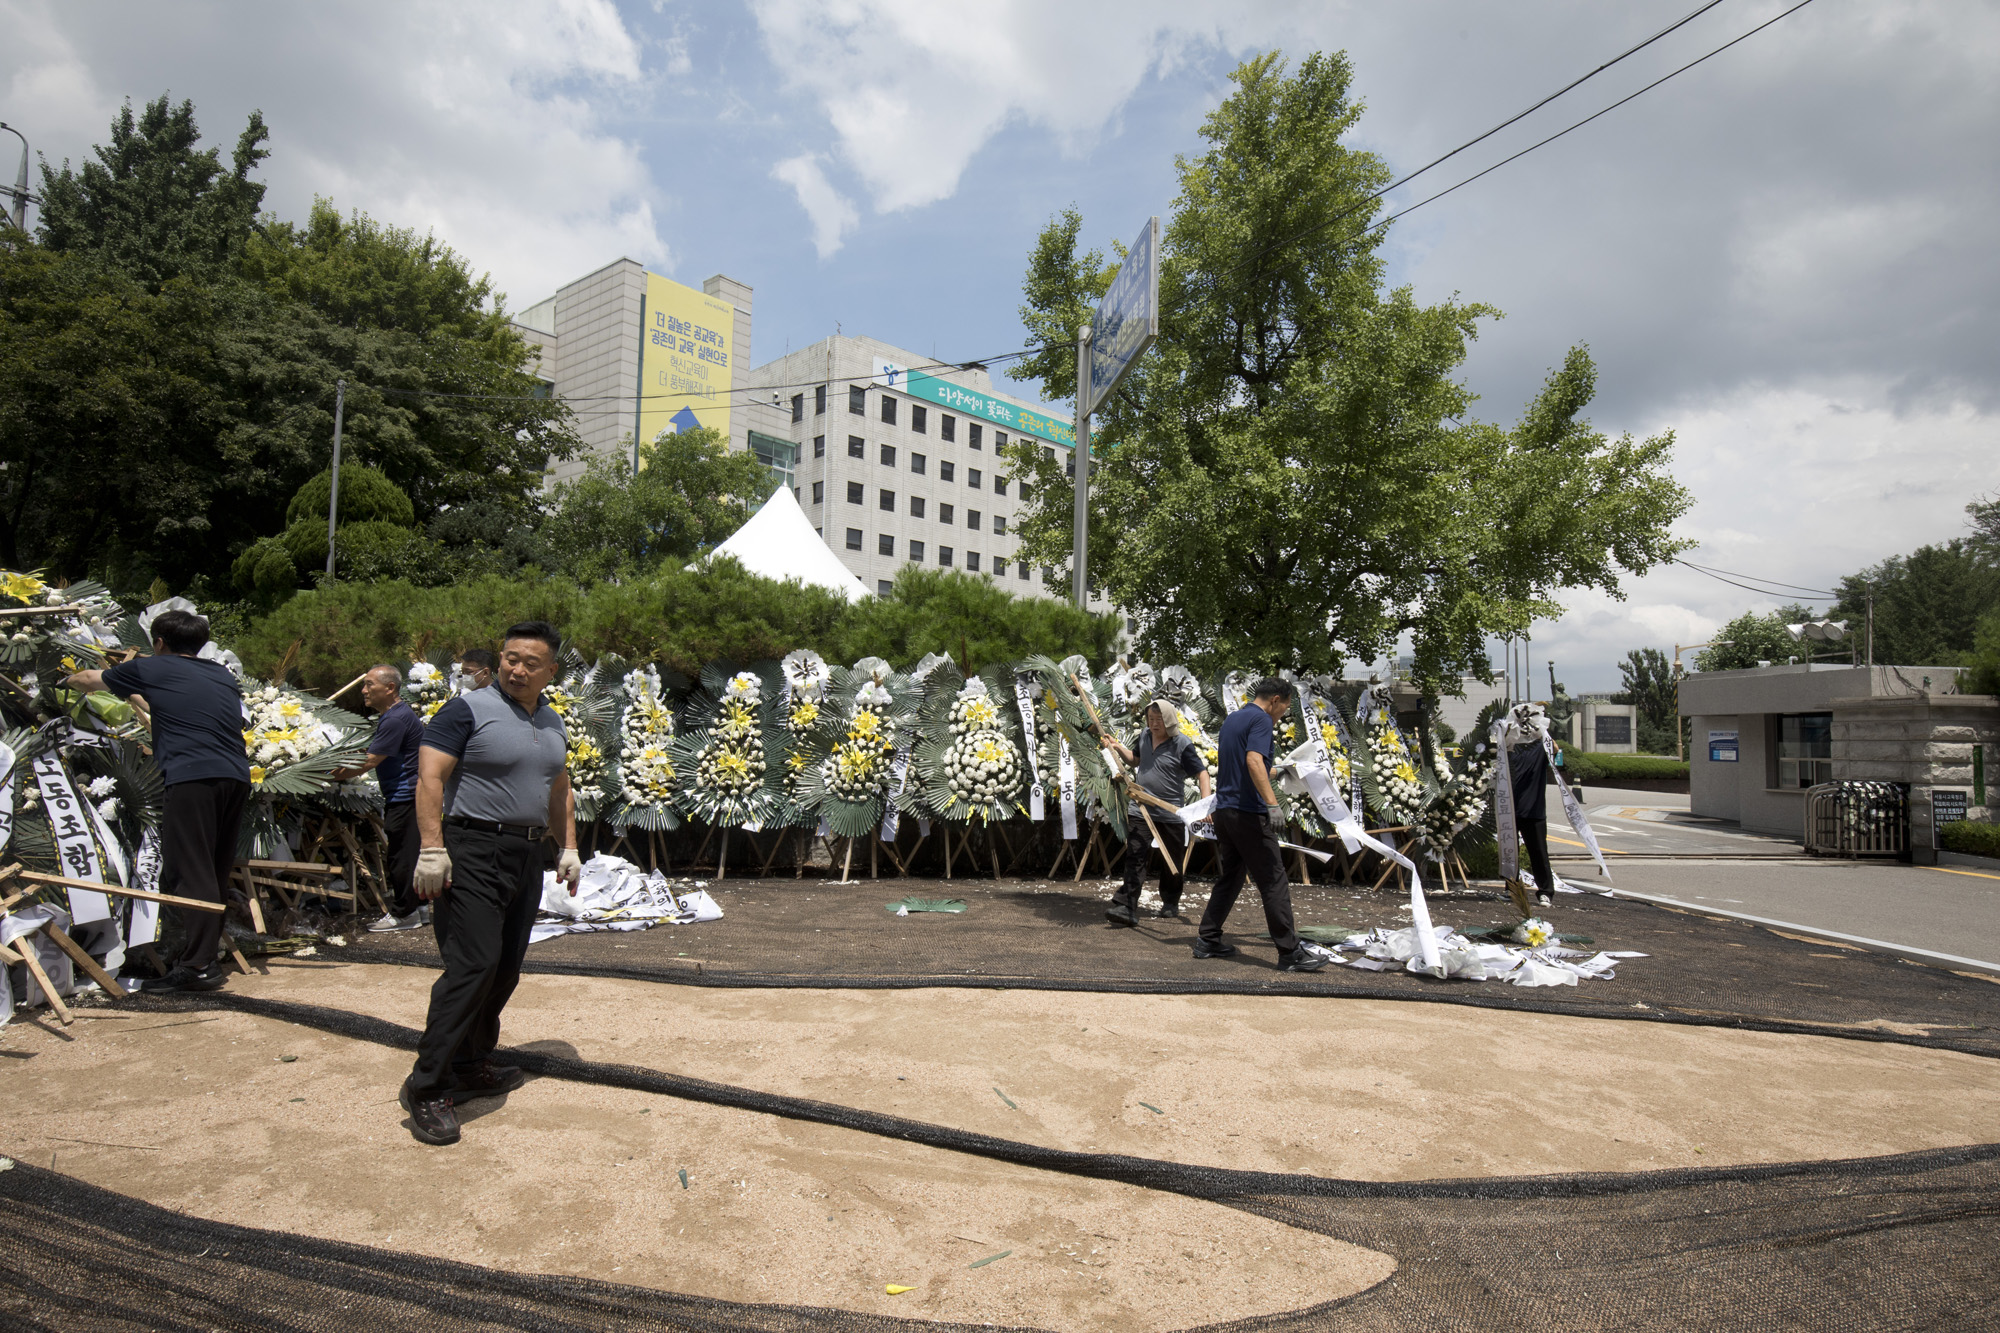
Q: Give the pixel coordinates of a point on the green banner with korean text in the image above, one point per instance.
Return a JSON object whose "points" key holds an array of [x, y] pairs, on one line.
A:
{"points": [[985, 407]]}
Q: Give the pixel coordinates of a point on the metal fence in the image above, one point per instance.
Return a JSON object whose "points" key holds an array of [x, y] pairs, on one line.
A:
{"points": [[1858, 819]]}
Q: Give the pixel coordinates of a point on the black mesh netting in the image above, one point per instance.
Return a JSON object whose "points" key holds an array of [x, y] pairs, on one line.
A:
{"points": [[1699, 969], [1895, 1243]]}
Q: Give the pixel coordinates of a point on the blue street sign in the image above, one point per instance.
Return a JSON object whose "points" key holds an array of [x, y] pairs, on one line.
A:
{"points": [[1127, 319]]}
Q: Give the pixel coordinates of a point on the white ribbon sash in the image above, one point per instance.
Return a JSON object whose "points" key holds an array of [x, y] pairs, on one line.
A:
{"points": [[1574, 809], [1026, 703], [892, 818], [1505, 826], [144, 927], [74, 847], [1066, 783], [8, 759]]}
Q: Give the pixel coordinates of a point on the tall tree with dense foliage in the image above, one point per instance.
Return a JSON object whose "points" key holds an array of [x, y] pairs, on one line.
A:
{"points": [[1928, 604], [1291, 475], [1751, 638], [1649, 684]]}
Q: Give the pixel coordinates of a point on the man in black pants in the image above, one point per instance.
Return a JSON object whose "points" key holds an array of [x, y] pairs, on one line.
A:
{"points": [[1528, 766], [491, 787], [392, 754], [1247, 821], [197, 720], [1160, 759]]}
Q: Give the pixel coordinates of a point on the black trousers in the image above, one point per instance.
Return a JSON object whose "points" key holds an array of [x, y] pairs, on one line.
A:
{"points": [[199, 825], [1535, 833], [1247, 847], [1139, 855], [399, 824], [482, 923]]}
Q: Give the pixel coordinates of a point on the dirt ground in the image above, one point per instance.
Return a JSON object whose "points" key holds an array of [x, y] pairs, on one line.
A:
{"points": [[203, 1113]]}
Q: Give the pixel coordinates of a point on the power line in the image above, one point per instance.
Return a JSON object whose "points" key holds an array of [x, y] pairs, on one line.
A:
{"points": [[1762, 592], [1587, 119]]}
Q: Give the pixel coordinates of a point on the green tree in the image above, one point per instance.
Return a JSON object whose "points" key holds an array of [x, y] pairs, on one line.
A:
{"points": [[1751, 638], [376, 539], [971, 620], [1291, 475], [1928, 604], [1649, 683], [690, 493]]}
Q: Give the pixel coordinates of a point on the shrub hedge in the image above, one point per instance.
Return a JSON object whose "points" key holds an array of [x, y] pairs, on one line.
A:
{"points": [[1595, 766], [1968, 838]]}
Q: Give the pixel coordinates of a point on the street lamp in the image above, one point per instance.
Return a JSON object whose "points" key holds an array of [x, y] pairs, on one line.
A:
{"points": [[20, 217], [1680, 746]]}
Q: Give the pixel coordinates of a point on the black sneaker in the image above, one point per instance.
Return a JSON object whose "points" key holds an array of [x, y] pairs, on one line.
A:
{"points": [[1302, 961], [432, 1120], [1118, 914], [213, 977], [176, 979], [1203, 949], [485, 1079], [1169, 911]]}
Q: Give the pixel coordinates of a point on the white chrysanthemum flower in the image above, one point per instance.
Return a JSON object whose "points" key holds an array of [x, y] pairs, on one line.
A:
{"points": [[101, 787]]}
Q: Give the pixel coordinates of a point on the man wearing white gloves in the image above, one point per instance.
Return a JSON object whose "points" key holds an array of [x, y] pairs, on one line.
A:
{"points": [[491, 789]]}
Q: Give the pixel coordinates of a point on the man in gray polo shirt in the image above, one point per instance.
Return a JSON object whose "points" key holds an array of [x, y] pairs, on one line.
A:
{"points": [[491, 787]]}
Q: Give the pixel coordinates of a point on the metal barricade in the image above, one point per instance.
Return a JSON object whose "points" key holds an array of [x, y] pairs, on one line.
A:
{"points": [[1854, 818]]}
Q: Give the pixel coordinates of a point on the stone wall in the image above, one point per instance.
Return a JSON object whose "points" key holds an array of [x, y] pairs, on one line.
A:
{"points": [[1925, 740]]}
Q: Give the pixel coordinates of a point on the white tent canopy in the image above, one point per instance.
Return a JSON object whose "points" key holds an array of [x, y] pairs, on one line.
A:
{"points": [[779, 543]]}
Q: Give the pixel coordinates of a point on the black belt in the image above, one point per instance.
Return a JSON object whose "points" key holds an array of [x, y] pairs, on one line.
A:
{"points": [[532, 832]]}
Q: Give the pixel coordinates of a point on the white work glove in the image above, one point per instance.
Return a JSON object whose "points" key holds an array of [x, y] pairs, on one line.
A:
{"points": [[433, 872], [1274, 818], [569, 869]]}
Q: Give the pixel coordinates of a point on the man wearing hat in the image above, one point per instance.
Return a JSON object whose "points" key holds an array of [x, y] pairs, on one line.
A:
{"points": [[1159, 758]]}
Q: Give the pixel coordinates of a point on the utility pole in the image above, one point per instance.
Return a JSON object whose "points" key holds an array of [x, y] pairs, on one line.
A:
{"points": [[1079, 563], [639, 393], [20, 214], [333, 494]]}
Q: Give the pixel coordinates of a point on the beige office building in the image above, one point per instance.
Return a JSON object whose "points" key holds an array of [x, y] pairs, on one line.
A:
{"points": [[895, 460]]}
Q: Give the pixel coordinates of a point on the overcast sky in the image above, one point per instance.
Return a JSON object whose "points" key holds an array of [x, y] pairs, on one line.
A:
{"points": [[1786, 256]]}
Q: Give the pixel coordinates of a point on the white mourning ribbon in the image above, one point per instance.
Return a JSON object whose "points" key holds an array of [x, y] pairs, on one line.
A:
{"points": [[1574, 809], [1025, 701], [1066, 784], [8, 760], [1505, 826], [892, 817], [74, 846], [144, 927], [1347, 746]]}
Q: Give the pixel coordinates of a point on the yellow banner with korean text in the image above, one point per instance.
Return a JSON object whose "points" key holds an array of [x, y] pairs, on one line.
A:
{"points": [[688, 365]]}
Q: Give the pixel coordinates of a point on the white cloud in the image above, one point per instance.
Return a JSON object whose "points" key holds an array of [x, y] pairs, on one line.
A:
{"points": [[485, 125], [833, 216]]}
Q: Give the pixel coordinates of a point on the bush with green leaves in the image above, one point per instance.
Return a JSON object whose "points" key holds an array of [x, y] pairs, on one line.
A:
{"points": [[1969, 838]]}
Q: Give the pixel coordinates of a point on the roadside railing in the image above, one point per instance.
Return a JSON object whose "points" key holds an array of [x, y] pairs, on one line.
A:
{"points": [[1854, 818]]}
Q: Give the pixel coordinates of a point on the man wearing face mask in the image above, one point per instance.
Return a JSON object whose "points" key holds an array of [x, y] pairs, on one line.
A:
{"points": [[1159, 759], [491, 787], [1248, 819]]}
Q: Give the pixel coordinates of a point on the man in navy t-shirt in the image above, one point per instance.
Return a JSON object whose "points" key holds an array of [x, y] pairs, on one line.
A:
{"points": [[197, 712], [1248, 819], [393, 755]]}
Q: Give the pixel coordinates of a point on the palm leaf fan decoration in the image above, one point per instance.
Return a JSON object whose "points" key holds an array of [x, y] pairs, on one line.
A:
{"points": [[719, 755], [647, 787], [846, 781]]}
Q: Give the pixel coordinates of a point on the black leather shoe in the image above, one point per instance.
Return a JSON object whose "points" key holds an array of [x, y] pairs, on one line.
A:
{"points": [[213, 977], [432, 1120], [486, 1079], [1203, 949], [177, 978], [1301, 962], [1118, 914], [1170, 911]]}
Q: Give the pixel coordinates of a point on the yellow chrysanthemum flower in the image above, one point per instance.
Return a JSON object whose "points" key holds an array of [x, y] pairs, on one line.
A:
{"points": [[805, 714], [732, 764], [1406, 773], [256, 775], [22, 587]]}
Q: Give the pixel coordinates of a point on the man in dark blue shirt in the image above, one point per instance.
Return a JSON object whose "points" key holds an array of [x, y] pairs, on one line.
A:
{"points": [[1248, 819], [393, 756], [197, 720]]}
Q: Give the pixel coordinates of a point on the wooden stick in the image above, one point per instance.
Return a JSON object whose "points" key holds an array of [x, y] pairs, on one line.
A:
{"points": [[348, 686], [41, 610], [874, 864], [241, 962], [993, 851], [34, 966], [1083, 861], [120, 891], [847, 861], [722, 857], [294, 867], [82, 959], [152, 957], [947, 851], [8, 872]]}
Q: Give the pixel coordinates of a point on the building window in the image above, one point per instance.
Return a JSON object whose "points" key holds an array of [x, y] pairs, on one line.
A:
{"points": [[999, 484], [999, 440], [883, 587], [819, 400], [972, 519], [916, 552], [781, 456], [1000, 527], [819, 446], [888, 455], [972, 433], [857, 494], [1069, 469], [1027, 493], [947, 427], [917, 462], [918, 416], [972, 561], [944, 556], [857, 400], [854, 539], [1000, 565], [945, 469], [945, 514], [1805, 749], [887, 501], [888, 410], [1021, 570], [799, 407], [819, 495], [916, 506], [972, 480], [885, 545], [857, 447]]}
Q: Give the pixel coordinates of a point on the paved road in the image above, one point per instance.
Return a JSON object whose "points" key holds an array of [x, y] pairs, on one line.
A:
{"points": [[1658, 850]]}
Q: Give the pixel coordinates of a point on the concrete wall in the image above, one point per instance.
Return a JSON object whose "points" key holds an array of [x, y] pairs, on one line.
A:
{"points": [[1715, 789], [1926, 741]]}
